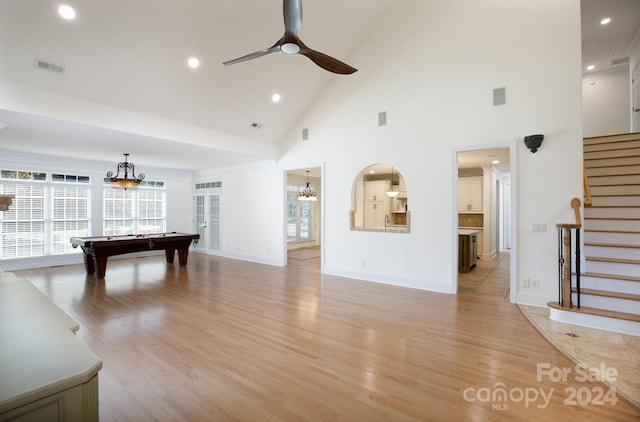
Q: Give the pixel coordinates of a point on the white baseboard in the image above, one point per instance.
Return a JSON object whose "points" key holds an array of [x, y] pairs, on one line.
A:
{"points": [[596, 321], [392, 280]]}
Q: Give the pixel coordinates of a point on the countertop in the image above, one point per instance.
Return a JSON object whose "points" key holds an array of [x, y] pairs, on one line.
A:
{"points": [[467, 232], [39, 353]]}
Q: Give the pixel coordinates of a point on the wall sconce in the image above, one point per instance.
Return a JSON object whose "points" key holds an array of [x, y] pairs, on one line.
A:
{"points": [[533, 142]]}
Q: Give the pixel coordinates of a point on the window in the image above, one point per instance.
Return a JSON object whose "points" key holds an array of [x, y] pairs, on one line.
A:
{"points": [[299, 216], [142, 210], [45, 213], [70, 216]]}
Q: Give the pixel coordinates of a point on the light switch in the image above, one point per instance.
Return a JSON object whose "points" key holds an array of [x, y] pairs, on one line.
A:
{"points": [[538, 228]]}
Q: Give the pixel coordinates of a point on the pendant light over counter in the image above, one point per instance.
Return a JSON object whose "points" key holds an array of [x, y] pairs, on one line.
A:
{"points": [[392, 193]]}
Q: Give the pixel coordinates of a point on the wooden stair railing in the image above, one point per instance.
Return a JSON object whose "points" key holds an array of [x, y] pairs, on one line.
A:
{"points": [[6, 201], [588, 200], [565, 247]]}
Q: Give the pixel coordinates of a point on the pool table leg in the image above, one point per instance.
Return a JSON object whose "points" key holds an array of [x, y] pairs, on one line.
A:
{"points": [[97, 266], [170, 254], [183, 254], [88, 264]]}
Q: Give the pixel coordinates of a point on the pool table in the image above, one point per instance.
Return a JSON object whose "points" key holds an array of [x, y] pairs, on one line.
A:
{"points": [[97, 249]]}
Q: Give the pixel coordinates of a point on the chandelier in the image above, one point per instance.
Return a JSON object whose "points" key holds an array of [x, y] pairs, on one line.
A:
{"points": [[125, 181], [307, 194]]}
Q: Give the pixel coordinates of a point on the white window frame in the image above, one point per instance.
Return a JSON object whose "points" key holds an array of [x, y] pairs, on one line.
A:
{"points": [[42, 242], [130, 215]]}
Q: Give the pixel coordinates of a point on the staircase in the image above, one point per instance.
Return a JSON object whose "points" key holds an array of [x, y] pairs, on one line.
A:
{"points": [[610, 282], [6, 201]]}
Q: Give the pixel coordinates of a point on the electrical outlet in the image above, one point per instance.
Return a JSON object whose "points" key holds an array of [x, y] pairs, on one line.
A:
{"points": [[534, 284], [525, 283]]}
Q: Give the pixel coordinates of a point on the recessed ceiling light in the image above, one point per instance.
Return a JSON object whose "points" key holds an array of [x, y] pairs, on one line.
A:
{"points": [[193, 62], [67, 12], [605, 21], [591, 67], [276, 98], [372, 171], [495, 162]]}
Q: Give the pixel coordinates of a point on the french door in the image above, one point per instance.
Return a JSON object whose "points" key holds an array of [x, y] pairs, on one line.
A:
{"points": [[207, 222]]}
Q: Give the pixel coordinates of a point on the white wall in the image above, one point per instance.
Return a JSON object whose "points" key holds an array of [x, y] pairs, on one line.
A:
{"points": [[253, 214], [605, 103], [432, 66]]}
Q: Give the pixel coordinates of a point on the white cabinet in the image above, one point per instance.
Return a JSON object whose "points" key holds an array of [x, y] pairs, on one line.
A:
{"points": [[399, 203], [376, 204], [470, 194], [376, 191], [46, 373]]}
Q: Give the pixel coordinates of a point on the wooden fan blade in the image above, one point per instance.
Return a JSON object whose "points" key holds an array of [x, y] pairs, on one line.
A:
{"points": [[326, 62], [292, 11], [254, 55]]}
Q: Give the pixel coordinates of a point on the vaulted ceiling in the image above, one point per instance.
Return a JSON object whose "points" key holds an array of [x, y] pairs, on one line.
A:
{"points": [[131, 56]]}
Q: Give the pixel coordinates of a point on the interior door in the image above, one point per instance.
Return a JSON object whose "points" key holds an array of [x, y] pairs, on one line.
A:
{"points": [[207, 222]]}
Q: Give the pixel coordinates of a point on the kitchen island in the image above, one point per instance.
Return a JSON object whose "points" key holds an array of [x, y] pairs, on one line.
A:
{"points": [[467, 249], [46, 372]]}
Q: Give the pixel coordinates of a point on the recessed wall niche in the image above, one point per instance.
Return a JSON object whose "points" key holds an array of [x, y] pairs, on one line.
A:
{"points": [[379, 200]]}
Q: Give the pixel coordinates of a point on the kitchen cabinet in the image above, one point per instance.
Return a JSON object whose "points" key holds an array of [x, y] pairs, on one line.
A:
{"points": [[399, 203], [375, 191], [470, 194], [376, 204], [47, 373]]}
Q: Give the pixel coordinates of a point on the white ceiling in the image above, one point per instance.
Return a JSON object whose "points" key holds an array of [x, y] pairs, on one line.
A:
{"points": [[131, 55], [606, 46]]}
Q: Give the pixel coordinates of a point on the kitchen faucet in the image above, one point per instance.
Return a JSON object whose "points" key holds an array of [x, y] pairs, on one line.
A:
{"points": [[386, 221]]}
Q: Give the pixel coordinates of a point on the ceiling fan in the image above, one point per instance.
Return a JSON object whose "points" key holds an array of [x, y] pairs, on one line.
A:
{"points": [[291, 44]]}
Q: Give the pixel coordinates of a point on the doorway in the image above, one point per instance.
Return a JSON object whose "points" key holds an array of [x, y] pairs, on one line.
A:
{"points": [[207, 221], [303, 217], [483, 221]]}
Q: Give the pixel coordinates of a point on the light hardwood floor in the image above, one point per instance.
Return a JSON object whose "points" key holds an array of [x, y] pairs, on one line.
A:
{"points": [[489, 279], [227, 340]]}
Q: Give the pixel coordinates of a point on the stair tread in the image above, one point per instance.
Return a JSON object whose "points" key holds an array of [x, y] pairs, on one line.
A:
{"points": [[599, 312], [612, 231], [617, 260], [613, 218], [612, 166], [607, 293], [614, 206], [612, 276], [622, 148], [613, 195], [612, 245]]}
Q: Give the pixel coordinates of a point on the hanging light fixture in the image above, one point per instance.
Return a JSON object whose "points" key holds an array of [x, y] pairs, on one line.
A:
{"points": [[307, 193], [125, 181], [392, 193]]}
